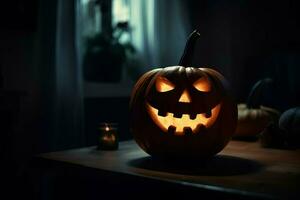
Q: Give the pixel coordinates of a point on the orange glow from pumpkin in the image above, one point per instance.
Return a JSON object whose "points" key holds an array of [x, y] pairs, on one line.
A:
{"points": [[163, 85], [180, 123], [185, 97], [202, 84]]}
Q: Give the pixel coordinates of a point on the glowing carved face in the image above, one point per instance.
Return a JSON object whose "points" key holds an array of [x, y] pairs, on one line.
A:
{"points": [[182, 113], [182, 123], [180, 126]]}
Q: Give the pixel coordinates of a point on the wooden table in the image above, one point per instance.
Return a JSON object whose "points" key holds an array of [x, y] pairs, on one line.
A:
{"points": [[241, 170]]}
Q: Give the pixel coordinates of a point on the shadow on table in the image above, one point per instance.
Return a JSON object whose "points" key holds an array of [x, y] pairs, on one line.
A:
{"points": [[219, 165]]}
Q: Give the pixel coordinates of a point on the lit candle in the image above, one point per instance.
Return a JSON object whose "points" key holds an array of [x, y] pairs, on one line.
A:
{"points": [[108, 137]]}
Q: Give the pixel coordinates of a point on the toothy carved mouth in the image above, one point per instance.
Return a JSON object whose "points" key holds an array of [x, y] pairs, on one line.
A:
{"points": [[182, 124]]}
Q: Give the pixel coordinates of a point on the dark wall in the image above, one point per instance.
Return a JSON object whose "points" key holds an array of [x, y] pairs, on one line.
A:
{"points": [[27, 38], [250, 40], [18, 89]]}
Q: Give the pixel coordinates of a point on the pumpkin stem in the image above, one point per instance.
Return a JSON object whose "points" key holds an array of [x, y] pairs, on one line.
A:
{"points": [[254, 98], [189, 49]]}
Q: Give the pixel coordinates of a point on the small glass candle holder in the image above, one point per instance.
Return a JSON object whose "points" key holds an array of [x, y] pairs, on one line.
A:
{"points": [[108, 136]]}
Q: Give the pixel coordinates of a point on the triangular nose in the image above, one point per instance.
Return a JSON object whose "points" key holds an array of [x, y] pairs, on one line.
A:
{"points": [[185, 97]]}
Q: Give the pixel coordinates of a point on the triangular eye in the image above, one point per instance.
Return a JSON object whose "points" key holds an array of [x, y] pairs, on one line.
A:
{"points": [[163, 85], [202, 84]]}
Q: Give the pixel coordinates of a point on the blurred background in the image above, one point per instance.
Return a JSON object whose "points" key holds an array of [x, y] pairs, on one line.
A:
{"points": [[68, 65]]}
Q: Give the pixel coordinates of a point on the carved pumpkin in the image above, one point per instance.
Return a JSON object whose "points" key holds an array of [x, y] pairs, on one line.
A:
{"points": [[182, 112], [253, 118]]}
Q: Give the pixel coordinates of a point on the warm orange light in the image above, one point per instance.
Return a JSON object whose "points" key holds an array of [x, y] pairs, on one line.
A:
{"points": [[110, 137], [180, 123], [107, 128], [185, 97], [163, 85], [202, 84]]}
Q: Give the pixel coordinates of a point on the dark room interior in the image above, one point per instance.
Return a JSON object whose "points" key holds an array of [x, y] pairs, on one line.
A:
{"points": [[69, 66]]}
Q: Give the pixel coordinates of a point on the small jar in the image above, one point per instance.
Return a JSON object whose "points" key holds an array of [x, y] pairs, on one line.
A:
{"points": [[108, 136]]}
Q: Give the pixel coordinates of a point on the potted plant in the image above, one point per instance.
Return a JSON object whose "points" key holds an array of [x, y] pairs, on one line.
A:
{"points": [[105, 55]]}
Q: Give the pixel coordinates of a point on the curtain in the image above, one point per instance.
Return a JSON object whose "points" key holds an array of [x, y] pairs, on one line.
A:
{"points": [[60, 78], [159, 31], [69, 95], [159, 35]]}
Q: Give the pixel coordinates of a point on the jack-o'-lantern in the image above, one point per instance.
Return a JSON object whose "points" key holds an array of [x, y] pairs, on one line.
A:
{"points": [[182, 112]]}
